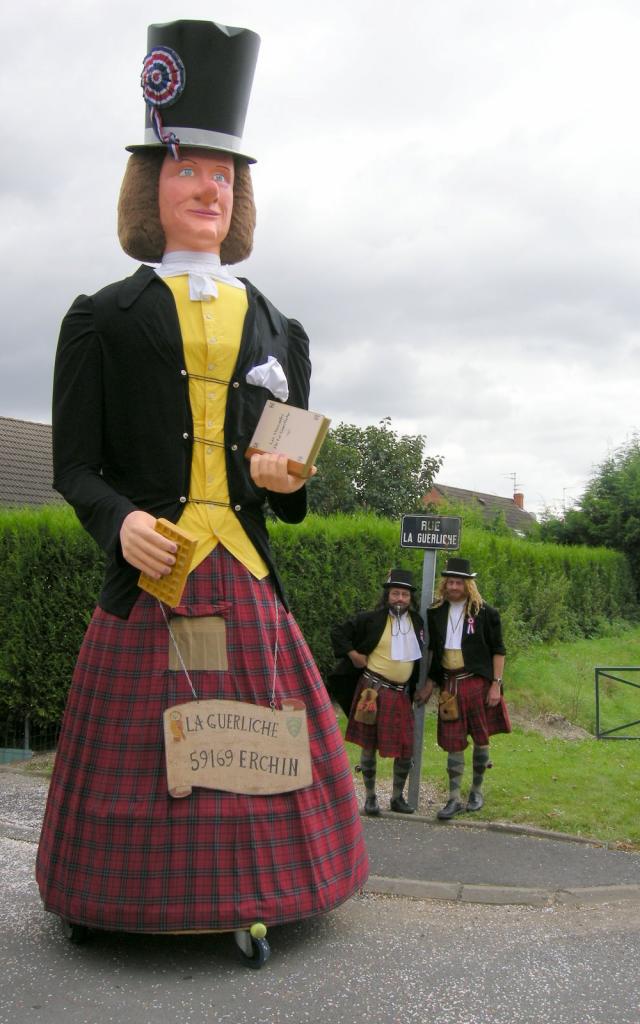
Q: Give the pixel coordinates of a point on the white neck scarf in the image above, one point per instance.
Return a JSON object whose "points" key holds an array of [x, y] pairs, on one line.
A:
{"points": [[203, 268], [455, 624], [404, 642]]}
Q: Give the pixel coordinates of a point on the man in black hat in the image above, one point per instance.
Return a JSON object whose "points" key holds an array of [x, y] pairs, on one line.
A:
{"points": [[160, 380], [467, 662], [375, 680]]}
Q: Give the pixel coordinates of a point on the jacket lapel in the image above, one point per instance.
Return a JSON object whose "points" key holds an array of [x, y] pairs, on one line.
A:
{"points": [[158, 310]]}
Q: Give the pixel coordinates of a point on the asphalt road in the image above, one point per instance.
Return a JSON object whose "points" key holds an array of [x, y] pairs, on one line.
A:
{"points": [[376, 960], [379, 959]]}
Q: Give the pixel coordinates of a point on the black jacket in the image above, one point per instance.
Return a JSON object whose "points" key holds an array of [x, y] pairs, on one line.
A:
{"points": [[480, 640], [122, 424], [362, 633]]}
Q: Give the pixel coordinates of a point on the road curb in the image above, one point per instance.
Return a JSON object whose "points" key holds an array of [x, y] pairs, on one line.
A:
{"points": [[499, 826], [453, 892], [19, 833], [501, 895]]}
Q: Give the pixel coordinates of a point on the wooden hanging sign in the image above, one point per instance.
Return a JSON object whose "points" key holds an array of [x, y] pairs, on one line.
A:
{"points": [[237, 747]]}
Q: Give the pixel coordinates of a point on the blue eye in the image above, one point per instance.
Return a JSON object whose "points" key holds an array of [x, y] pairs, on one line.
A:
{"points": [[186, 172], [219, 177]]}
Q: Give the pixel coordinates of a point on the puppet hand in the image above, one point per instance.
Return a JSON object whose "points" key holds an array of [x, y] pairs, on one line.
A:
{"points": [[144, 548], [270, 471]]}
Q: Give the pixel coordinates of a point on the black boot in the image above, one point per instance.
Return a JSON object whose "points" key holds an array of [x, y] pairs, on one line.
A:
{"points": [[401, 769], [400, 805], [372, 807], [450, 809]]}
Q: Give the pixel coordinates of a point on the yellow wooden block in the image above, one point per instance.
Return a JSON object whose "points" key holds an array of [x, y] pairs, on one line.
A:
{"points": [[169, 588]]}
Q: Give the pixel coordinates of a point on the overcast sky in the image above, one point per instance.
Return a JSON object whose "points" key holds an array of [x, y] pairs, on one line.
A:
{"points": [[448, 198]]}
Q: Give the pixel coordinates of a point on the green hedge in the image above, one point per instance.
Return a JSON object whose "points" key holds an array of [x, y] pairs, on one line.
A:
{"points": [[332, 567], [335, 566], [51, 572]]}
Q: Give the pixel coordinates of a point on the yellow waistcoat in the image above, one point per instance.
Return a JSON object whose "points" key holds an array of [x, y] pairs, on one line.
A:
{"points": [[380, 660], [211, 332]]}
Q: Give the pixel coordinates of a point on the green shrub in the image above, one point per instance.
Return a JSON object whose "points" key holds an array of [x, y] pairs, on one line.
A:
{"points": [[332, 567], [51, 573]]}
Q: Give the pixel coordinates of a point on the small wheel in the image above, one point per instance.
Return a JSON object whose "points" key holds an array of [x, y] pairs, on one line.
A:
{"points": [[253, 945], [260, 953], [76, 933]]}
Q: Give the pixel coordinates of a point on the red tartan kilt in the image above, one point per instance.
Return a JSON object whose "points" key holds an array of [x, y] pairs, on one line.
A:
{"points": [[117, 852], [476, 719], [392, 733]]}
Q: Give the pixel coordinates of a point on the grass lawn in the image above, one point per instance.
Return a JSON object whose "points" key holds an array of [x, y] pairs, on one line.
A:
{"points": [[584, 786], [560, 679], [587, 787]]}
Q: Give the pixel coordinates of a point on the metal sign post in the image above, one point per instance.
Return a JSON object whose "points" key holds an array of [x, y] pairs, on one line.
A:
{"points": [[432, 533], [426, 598]]}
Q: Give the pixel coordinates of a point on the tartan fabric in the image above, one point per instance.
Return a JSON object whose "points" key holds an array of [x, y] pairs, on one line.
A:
{"points": [[392, 733], [476, 719], [117, 852]]}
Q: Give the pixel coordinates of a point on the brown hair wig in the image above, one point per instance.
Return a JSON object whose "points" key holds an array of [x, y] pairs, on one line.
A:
{"points": [[139, 229]]}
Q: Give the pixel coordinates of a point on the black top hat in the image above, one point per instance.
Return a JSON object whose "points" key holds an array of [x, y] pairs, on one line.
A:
{"points": [[459, 567], [400, 578], [196, 81]]}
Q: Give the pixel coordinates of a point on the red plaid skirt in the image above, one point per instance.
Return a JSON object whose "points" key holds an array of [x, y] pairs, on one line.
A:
{"points": [[392, 733], [476, 719], [118, 852]]}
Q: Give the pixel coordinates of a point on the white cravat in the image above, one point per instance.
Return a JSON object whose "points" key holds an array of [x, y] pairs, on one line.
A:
{"points": [[404, 643], [203, 268], [455, 624]]}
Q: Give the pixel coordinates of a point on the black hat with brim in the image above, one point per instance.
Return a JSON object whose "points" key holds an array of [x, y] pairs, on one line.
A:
{"points": [[400, 578], [196, 82], [459, 567]]}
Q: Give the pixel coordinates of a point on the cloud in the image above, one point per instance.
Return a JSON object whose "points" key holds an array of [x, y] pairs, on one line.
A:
{"points": [[446, 199]]}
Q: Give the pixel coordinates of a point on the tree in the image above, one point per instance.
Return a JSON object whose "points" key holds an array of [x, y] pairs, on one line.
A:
{"points": [[372, 469], [608, 514]]}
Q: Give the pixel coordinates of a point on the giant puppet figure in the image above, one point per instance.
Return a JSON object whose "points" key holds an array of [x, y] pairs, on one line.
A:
{"points": [[159, 382]]}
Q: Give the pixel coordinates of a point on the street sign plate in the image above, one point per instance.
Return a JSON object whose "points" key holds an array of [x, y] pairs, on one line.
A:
{"points": [[431, 532]]}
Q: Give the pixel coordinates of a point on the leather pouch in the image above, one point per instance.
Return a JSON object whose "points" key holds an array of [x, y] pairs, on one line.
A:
{"points": [[448, 706], [367, 707]]}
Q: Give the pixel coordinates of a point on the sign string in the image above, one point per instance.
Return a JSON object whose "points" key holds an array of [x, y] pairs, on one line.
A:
{"points": [[272, 700], [178, 652]]}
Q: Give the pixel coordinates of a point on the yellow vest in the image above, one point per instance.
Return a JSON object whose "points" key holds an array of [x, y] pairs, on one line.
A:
{"points": [[380, 659], [211, 332]]}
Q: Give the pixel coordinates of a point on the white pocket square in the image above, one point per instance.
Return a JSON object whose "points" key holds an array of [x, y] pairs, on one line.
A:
{"points": [[270, 375]]}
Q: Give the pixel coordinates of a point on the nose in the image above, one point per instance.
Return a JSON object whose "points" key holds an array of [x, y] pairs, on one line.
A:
{"points": [[209, 190]]}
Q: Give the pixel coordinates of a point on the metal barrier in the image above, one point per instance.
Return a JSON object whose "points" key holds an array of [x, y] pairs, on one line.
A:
{"points": [[606, 673], [21, 733]]}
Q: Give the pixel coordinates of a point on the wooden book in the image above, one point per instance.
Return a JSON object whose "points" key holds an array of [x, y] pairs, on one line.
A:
{"points": [[169, 588], [296, 433]]}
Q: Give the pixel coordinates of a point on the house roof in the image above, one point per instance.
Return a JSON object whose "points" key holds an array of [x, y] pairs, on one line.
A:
{"points": [[516, 518], [26, 468]]}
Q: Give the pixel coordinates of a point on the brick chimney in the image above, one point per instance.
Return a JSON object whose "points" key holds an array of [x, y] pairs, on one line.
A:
{"points": [[518, 499]]}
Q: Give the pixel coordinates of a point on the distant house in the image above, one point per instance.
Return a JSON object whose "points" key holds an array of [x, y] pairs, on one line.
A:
{"points": [[515, 515], [26, 469]]}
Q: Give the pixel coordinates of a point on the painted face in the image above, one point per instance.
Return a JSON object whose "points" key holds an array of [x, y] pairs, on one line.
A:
{"points": [[196, 200], [455, 589], [399, 596]]}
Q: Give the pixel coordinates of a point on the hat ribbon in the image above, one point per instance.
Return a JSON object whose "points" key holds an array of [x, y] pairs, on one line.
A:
{"points": [[169, 138]]}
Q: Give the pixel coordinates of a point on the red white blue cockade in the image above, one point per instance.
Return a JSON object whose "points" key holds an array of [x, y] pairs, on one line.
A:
{"points": [[163, 79]]}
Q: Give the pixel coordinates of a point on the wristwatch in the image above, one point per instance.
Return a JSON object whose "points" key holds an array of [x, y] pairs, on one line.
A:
{"points": [[497, 679]]}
